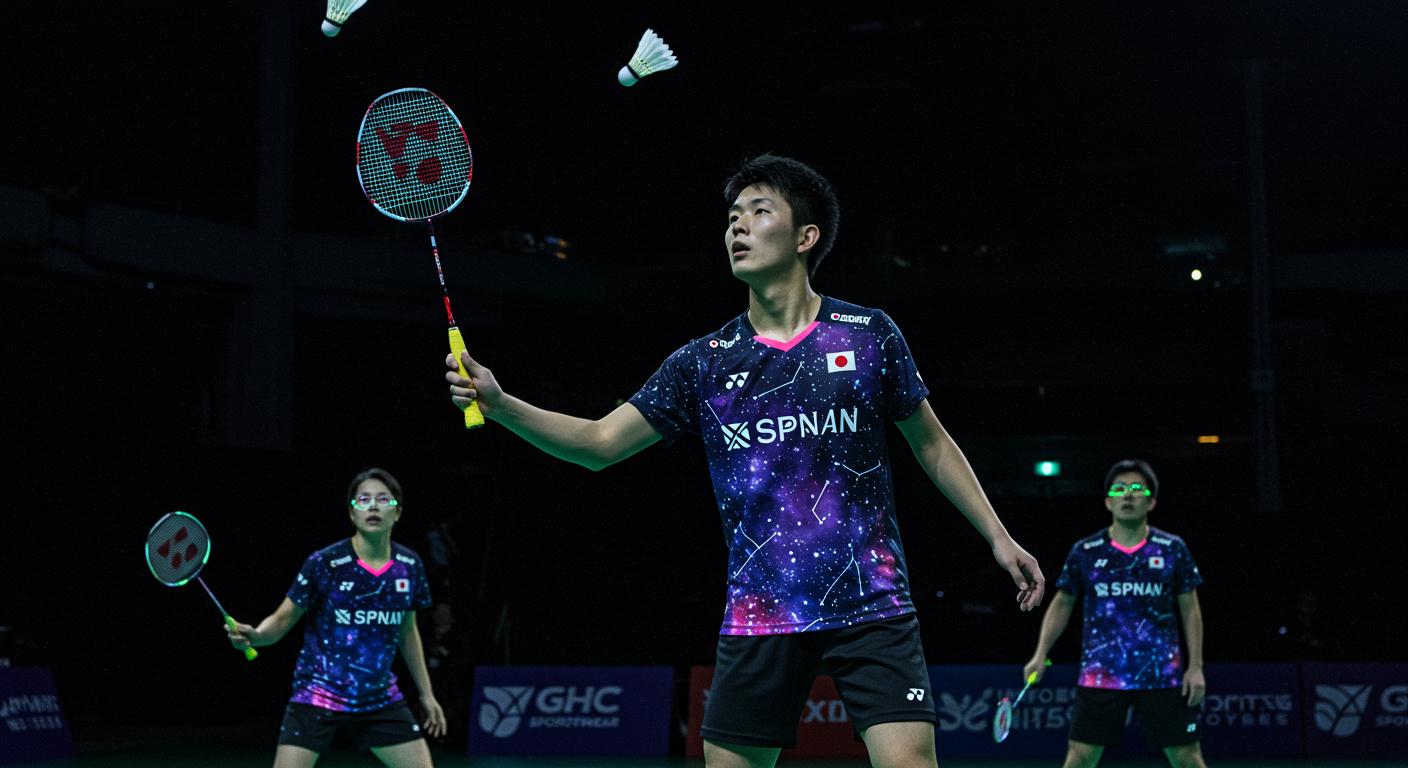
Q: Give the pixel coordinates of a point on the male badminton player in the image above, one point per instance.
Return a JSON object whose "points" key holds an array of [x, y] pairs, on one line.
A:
{"points": [[791, 399], [1133, 576], [361, 596]]}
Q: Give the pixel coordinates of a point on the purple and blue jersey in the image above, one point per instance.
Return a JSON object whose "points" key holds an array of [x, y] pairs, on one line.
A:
{"points": [[354, 617], [795, 437], [1130, 640]]}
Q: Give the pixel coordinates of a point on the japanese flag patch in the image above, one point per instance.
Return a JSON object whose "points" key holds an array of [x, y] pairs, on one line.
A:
{"points": [[404, 585], [1156, 562], [840, 361]]}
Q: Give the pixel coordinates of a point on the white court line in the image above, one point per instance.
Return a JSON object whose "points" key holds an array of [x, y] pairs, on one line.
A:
{"points": [[818, 501], [780, 386], [750, 557]]}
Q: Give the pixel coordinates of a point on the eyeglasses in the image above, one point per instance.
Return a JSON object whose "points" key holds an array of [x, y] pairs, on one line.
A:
{"points": [[1120, 489], [364, 501]]}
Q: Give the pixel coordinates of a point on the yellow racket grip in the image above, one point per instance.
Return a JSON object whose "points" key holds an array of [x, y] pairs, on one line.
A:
{"points": [[1032, 677], [472, 417], [249, 653]]}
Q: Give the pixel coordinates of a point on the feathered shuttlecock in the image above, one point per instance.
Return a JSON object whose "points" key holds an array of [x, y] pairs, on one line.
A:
{"points": [[652, 55], [338, 11]]}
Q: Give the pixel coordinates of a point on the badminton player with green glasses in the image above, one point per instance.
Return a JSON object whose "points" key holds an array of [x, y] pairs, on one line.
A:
{"points": [[791, 399], [1138, 581], [361, 596]]}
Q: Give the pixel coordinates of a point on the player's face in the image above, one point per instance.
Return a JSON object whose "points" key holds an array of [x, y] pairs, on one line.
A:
{"points": [[761, 238], [376, 519], [1132, 507]]}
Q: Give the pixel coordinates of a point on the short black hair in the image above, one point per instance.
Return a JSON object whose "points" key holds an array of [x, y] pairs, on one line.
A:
{"points": [[377, 473], [810, 195], [1134, 465]]}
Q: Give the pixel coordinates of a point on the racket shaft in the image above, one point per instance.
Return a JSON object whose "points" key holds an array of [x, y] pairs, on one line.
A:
{"points": [[472, 417], [249, 653]]}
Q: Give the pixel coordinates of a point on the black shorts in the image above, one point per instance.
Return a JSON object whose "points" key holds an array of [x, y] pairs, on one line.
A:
{"points": [[1101, 715], [761, 682], [313, 727]]}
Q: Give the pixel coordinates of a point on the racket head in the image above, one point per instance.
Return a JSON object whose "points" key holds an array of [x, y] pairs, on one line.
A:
{"points": [[1002, 720], [177, 548], [413, 158]]}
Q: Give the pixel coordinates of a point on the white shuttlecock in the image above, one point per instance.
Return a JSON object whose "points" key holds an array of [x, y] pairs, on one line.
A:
{"points": [[652, 55], [338, 11]]}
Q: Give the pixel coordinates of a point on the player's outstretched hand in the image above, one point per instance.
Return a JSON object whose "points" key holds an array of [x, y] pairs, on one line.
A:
{"points": [[242, 639], [1194, 686], [1034, 667], [434, 724], [479, 386], [1031, 585]]}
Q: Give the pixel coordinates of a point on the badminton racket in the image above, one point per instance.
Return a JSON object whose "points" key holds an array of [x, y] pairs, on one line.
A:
{"points": [[1002, 719], [177, 548], [414, 163]]}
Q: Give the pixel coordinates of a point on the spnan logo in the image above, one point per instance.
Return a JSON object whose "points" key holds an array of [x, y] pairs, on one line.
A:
{"points": [[736, 435], [1340, 708]]}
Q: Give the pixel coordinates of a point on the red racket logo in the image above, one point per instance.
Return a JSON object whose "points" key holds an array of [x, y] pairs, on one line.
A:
{"points": [[394, 139], [174, 542]]}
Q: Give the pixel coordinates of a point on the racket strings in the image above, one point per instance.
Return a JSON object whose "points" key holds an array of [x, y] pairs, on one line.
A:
{"points": [[177, 547], [413, 159]]}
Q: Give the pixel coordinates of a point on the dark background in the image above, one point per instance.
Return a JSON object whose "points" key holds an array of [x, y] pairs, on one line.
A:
{"points": [[1011, 176]]}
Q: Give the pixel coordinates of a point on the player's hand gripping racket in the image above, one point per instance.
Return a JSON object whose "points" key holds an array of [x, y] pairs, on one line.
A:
{"points": [[414, 163], [177, 548], [1002, 719]]}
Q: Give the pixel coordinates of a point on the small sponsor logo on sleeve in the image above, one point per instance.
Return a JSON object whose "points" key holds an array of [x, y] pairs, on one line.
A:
{"points": [[1161, 540], [1089, 544], [862, 319], [340, 561], [405, 559]]}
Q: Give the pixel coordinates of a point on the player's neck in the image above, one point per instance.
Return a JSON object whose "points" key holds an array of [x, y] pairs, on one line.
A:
{"points": [[1128, 534], [782, 309], [372, 549]]}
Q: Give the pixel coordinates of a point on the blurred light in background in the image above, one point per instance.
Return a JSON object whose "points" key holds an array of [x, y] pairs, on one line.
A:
{"points": [[1197, 274], [1207, 438], [1048, 468]]}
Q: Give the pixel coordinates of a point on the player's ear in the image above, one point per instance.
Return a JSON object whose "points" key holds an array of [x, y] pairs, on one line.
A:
{"points": [[1152, 501], [808, 237], [1110, 503]]}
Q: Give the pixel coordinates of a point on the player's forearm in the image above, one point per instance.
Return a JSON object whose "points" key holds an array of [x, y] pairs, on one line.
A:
{"points": [[1193, 633], [1053, 624], [566, 437], [414, 654], [271, 630]]}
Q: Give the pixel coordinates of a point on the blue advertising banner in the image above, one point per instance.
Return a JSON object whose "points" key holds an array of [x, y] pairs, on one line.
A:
{"points": [[570, 711], [1251, 710], [1355, 710], [966, 696], [32, 727]]}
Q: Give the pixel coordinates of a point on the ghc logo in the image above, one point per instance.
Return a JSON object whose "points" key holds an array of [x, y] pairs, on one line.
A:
{"points": [[505, 707], [1340, 707]]}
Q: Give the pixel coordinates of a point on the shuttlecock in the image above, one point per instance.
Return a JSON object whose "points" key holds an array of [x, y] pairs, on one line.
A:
{"points": [[652, 55], [338, 11]]}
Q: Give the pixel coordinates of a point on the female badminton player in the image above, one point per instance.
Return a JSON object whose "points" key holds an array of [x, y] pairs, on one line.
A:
{"points": [[361, 596]]}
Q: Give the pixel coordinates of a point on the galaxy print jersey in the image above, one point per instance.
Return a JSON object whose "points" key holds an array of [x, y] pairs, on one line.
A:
{"points": [[1131, 608], [795, 436], [353, 625]]}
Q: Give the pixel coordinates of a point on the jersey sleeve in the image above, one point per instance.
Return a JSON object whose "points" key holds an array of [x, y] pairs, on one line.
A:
{"points": [[904, 389], [670, 399], [1186, 576], [422, 599], [304, 591], [1072, 578]]}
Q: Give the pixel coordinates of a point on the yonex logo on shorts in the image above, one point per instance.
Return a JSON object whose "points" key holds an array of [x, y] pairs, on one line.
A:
{"points": [[915, 694], [862, 319]]}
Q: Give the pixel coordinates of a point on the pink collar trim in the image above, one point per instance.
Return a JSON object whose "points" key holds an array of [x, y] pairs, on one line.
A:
{"points": [[384, 568], [1113, 543], [786, 345]]}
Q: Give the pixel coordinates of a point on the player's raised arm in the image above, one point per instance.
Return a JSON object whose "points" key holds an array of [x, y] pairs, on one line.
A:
{"points": [[950, 471], [592, 444]]}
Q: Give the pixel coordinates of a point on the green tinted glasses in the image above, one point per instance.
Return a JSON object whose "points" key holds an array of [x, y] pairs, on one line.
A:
{"points": [[1120, 489], [364, 501]]}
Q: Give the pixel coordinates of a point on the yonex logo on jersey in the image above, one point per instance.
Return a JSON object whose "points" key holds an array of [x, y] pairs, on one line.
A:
{"points": [[406, 560], [403, 585], [1156, 562], [840, 361], [1101, 563], [736, 435], [735, 380], [345, 586], [915, 694], [1126, 588], [862, 319], [340, 561], [342, 615]]}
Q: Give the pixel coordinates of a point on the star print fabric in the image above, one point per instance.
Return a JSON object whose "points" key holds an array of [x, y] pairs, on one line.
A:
{"points": [[353, 625], [795, 437], [1130, 638]]}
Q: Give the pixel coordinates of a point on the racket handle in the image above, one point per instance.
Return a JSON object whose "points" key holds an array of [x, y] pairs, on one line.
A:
{"points": [[472, 417], [249, 653]]}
